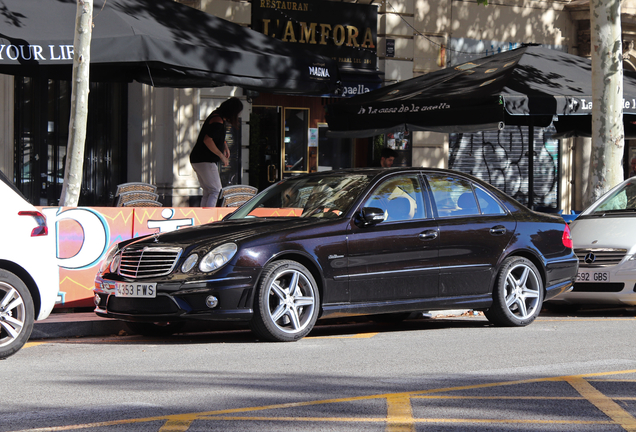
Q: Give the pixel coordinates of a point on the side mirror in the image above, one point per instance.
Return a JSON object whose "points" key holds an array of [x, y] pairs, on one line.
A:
{"points": [[370, 216]]}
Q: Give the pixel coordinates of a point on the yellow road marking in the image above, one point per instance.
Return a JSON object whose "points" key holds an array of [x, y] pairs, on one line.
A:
{"points": [[602, 402], [178, 423], [415, 420], [398, 413], [355, 336], [32, 344]]}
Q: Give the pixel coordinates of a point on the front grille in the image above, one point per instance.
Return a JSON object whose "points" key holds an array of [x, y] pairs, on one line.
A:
{"points": [[599, 257], [599, 287], [139, 262]]}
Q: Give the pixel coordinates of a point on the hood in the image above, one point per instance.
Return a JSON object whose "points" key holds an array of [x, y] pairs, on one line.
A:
{"points": [[604, 232], [225, 231]]}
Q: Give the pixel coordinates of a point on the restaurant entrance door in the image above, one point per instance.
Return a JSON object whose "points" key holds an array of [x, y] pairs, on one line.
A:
{"points": [[265, 144]]}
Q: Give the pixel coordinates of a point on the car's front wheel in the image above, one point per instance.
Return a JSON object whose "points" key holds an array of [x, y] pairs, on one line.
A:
{"points": [[16, 314], [287, 302], [518, 294]]}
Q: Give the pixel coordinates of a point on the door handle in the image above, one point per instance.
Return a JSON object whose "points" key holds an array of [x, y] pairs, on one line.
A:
{"points": [[498, 230], [428, 235]]}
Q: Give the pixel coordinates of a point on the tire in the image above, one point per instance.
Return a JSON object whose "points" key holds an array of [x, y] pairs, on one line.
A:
{"points": [[518, 294], [155, 329], [286, 304], [16, 314]]}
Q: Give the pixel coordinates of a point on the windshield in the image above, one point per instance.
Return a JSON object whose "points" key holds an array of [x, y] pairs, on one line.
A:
{"points": [[621, 200], [318, 196]]}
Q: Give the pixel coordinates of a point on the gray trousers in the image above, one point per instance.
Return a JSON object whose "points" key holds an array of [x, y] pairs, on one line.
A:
{"points": [[210, 181]]}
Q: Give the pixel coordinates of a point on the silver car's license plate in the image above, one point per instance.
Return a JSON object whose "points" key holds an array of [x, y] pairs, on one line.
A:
{"points": [[139, 290], [592, 276]]}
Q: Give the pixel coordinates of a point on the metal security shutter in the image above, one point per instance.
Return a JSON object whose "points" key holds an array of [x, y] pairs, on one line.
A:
{"points": [[501, 158]]}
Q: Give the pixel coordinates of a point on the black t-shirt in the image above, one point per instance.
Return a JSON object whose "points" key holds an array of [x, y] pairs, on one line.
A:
{"points": [[201, 152]]}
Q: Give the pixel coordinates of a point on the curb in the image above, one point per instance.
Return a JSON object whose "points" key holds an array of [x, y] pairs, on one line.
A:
{"points": [[81, 324], [85, 324]]}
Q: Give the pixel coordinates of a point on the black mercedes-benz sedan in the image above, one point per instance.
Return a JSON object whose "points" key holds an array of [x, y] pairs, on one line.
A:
{"points": [[341, 243]]}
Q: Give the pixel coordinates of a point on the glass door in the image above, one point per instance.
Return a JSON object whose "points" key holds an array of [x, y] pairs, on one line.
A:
{"points": [[295, 155]]}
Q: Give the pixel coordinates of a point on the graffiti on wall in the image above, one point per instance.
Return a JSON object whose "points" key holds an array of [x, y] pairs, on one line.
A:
{"points": [[502, 158]]}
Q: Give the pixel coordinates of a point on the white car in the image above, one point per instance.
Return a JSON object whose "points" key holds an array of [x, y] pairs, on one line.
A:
{"points": [[29, 275], [604, 237]]}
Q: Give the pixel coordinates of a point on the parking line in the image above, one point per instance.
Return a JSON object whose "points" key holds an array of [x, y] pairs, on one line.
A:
{"points": [[399, 416], [32, 344], [603, 403], [355, 336], [180, 423]]}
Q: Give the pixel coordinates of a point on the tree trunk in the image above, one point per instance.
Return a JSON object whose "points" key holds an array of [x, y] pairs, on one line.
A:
{"points": [[608, 135], [74, 166]]}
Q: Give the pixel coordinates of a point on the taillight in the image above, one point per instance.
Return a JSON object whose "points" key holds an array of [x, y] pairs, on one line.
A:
{"points": [[40, 219], [567, 238]]}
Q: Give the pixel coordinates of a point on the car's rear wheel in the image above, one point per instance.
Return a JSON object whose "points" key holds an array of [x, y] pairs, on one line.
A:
{"points": [[518, 294], [155, 328], [286, 304], [16, 314]]}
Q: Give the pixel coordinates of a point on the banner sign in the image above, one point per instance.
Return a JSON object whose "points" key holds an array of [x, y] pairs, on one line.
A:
{"points": [[83, 236], [346, 32]]}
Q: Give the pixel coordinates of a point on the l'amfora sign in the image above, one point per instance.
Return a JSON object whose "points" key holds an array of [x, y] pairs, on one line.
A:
{"points": [[346, 32]]}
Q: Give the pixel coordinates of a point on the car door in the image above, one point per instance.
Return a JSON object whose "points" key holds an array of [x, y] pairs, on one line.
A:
{"points": [[395, 259], [474, 230]]}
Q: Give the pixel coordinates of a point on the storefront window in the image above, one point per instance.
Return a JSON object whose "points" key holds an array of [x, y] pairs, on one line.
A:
{"points": [[42, 110], [296, 140], [334, 153]]}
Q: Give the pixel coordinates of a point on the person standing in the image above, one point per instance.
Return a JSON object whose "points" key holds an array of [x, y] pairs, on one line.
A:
{"points": [[211, 148]]}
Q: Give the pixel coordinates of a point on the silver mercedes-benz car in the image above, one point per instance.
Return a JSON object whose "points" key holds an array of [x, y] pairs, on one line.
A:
{"points": [[604, 238]]}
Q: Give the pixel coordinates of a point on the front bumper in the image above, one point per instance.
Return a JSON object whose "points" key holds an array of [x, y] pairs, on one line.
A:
{"points": [[619, 290], [179, 301]]}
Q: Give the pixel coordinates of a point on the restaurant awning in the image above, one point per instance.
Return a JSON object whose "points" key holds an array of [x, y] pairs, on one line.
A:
{"points": [[528, 85], [157, 42]]}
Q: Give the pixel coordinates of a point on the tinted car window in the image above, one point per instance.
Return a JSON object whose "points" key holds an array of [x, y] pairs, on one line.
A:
{"points": [[324, 196], [452, 196], [400, 197], [487, 204]]}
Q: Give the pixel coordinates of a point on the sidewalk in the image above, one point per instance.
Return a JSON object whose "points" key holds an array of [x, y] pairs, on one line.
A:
{"points": [[75, 324], [84, 324]]}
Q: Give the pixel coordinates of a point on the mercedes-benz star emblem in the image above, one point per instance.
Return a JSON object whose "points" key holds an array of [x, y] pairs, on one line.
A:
{"points": [[590, 258]]}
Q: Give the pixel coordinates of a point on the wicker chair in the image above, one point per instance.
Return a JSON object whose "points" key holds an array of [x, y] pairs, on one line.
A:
{"points": [[236, 195], [124, 198], [143, 203], [135, 186]]}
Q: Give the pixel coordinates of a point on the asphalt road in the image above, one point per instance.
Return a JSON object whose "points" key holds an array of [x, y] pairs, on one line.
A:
{"points": [[562, 373]]}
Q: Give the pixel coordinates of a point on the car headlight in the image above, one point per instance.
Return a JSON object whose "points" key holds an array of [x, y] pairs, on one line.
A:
{"points": [[189, 263], [218, 257], [112, 252]]}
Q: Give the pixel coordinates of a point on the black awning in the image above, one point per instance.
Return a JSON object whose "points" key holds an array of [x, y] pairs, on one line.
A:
{"points": [[528, 85], [157, 42]]}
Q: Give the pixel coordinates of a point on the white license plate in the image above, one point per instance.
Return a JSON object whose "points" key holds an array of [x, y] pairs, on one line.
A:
{"points": [[592, 276], [140, 290]]}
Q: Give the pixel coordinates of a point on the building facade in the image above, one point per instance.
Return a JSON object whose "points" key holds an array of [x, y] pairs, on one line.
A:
{"points": [[142, 133]]}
